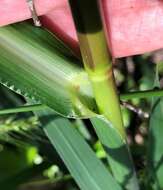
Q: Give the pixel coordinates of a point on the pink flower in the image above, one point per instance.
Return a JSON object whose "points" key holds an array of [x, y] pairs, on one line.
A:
{"points": [[133, 26]]}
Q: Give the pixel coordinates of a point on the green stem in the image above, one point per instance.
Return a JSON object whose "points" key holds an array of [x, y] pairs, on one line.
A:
{"points": [[126, 96], [25, 108], [96, 58], [141, 94], [49, 181]]}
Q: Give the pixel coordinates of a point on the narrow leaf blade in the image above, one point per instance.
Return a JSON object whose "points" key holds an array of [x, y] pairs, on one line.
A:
{"points": [[37, 65], [84, 166], [155, 149], [117, 152]]}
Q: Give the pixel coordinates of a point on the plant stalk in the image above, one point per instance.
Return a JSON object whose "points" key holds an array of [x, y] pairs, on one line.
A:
{"points": [[24, 108], [97, 60], [142, 94], [126, 96]]}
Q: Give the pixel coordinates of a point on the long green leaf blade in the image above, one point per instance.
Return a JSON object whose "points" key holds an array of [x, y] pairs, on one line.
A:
{"points": [[155, 149], [117, 152], [36, 65], [84, 166]]}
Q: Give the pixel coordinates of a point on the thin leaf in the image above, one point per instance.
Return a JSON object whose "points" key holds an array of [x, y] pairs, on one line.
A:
{"points": [[155, 150], [37, 65], [84, 166], [117, 152], [155, 144]]}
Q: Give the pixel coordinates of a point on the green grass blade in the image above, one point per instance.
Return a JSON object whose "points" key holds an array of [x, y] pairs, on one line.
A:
{"points": [[117, 152], [155, 150], [24, 108], [36, 65], [84, 166]]}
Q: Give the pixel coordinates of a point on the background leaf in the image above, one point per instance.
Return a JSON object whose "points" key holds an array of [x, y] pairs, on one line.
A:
{"points": [[155, 144], [82, 163], [155, 150], [117, 152]]}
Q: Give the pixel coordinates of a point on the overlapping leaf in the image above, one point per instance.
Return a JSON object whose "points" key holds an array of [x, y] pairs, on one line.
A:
{"points": [[84, 166], [37, 65], [117, 152]]}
